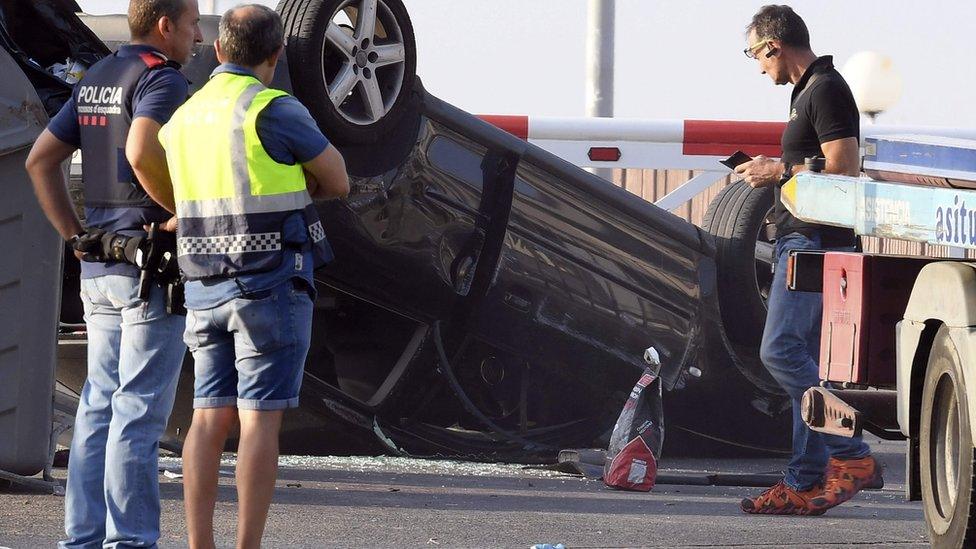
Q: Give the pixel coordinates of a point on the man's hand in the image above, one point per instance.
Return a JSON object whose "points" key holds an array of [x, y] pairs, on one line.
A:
{"points": [[88, 246], [760, 171], [169, 226]]}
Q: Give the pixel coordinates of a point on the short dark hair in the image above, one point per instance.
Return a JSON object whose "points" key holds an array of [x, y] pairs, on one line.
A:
{"points": [[250, 34], [145, 14], [781, 23]]}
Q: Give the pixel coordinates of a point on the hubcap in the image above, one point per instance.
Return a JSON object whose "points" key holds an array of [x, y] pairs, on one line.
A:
{"points": [[363, 60], [945, 450]]}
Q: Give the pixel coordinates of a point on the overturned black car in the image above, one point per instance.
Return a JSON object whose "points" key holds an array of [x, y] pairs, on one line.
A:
{"points": [[489, 300]]}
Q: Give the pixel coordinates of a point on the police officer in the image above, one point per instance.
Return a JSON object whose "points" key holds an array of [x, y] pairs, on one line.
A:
{"points": [[825, 470], [245, 161], [134, 346]]}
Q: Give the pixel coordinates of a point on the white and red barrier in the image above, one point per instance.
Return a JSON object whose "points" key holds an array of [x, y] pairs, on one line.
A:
{"points": [[669, 144]]}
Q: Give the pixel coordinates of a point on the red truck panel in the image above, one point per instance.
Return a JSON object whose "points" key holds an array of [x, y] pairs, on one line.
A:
{"points": [[864, 296]]}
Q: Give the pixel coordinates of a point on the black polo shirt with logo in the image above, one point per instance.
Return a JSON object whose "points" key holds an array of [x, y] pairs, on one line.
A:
{"points": [[824, 112]]}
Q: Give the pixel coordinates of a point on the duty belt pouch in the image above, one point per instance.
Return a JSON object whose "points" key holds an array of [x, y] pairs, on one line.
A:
{"points": [[158, 265], [176, 298]]}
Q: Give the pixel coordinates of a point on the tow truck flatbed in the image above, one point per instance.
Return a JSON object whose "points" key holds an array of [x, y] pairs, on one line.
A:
{"points": [[936, 161], [935, 215]]}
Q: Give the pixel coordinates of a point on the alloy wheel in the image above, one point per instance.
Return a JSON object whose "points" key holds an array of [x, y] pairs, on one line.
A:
{"points": [[364, 60]]}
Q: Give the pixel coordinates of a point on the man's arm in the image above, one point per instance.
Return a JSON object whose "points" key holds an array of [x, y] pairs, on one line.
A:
{"points": [[843, 156], [156, 98], [148, 160], [328, 175], [44, 167], [291, 136]]}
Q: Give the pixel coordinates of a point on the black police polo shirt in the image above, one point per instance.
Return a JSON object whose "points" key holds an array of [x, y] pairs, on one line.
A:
{"points": [[824, 112]]}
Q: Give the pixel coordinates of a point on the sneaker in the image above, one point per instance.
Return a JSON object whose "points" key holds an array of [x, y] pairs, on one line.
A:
{"points": [[783, 500], [846, 477]]}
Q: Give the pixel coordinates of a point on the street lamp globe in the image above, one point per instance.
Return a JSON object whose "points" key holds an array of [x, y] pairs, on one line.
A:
{"points": [[874, 81]]}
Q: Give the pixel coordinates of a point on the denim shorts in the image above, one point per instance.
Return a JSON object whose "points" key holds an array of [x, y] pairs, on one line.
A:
{"points": [[250, 351]]}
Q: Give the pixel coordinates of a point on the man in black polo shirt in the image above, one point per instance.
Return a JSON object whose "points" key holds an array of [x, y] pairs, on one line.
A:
{"points": [[825, 470]]}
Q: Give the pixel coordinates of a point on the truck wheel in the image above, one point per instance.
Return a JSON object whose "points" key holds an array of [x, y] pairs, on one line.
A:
{"points": [[352, 63], [946, 447], [740, 218]]}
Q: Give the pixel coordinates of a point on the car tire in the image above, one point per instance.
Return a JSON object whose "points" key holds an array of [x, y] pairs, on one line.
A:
{"points": [[740, 220], [356, 87], [947, 457]]}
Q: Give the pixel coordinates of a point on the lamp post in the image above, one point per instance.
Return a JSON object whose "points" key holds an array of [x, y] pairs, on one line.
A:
{"points": [[600, 30], [874, 81]]}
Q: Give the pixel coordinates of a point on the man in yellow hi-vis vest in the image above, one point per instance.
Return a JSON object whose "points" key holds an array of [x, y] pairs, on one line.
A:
{"points": [[245, 161]]}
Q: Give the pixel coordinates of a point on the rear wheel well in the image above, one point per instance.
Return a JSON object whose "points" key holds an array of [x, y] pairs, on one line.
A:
{"points": [[919, 363], [918, 373]]}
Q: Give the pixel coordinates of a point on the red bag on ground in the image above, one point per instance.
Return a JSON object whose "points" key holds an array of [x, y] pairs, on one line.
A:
{"points": [[638, 435]]}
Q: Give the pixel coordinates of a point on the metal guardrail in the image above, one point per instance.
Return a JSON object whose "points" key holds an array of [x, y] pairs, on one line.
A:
{"points": [[670, 144]]}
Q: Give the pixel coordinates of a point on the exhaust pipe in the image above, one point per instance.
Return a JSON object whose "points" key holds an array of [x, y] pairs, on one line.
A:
{"points": [[832, 412]]}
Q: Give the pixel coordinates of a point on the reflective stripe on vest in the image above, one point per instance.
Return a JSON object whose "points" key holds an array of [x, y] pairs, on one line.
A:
{"points": [[232, 198]]}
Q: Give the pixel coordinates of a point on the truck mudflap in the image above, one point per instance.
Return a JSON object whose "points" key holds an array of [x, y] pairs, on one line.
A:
{"points": [[834, 412]]}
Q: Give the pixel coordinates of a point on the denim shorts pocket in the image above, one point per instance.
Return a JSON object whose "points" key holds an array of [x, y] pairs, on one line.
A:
{"points": [[298, 296], [257, 322], [190, 336]]}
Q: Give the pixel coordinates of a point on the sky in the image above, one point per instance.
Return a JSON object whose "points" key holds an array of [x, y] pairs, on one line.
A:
{"points": [[677, 59]]}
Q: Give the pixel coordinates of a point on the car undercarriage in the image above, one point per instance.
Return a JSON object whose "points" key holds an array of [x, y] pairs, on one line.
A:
{"points": [[489, 299]]}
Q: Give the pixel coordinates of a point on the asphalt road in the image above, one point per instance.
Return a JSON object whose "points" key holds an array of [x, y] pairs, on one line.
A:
{"points": [[394, 502]]}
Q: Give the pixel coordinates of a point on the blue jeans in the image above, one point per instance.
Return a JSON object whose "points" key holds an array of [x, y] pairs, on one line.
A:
{"points": [[135, 350], [790, 351], [249, 352]]}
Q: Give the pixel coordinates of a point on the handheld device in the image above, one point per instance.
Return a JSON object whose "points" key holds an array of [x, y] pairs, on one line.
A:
{"points": [[738, 157]]}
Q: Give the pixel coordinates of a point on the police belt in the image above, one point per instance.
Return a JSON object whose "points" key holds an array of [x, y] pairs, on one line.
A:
{"points": [[154, 255]]}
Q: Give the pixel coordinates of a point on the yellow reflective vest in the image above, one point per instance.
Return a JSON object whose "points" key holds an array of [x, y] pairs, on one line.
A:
{"points": [[232, 198]]}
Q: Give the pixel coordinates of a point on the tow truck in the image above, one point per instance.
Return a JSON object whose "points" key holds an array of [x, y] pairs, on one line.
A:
{"points": [[898, 336]]}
